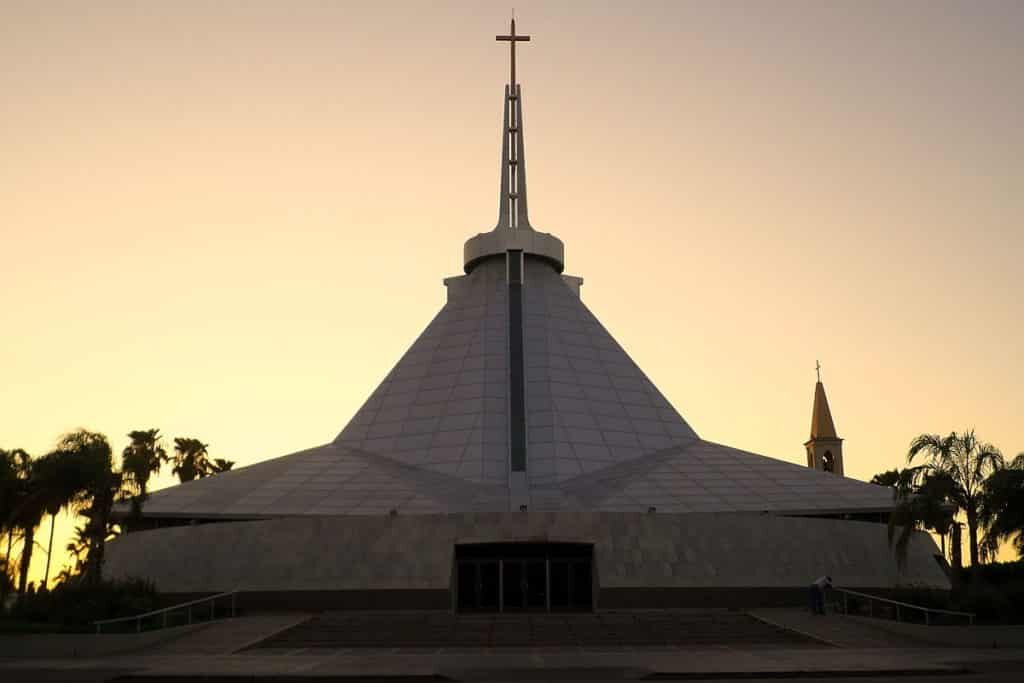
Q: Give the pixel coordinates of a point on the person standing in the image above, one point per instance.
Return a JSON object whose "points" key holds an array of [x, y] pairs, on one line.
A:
{"points": [[818, 594]]}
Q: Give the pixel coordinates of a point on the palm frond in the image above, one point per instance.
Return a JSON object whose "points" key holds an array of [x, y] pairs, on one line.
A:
{"points": [[924, 443]]}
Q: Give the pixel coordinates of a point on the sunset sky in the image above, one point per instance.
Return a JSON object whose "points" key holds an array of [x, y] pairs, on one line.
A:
{"points": [[229, 220]]}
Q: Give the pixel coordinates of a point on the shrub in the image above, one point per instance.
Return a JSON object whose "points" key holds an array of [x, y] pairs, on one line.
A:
{"points": [[75, 605], [995, 592]]}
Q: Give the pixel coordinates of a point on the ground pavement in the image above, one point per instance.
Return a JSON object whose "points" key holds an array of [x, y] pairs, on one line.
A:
{"points": [[805, 647], [609, 629]]}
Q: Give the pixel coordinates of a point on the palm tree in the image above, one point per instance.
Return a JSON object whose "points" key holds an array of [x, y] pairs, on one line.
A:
{"points": [[99, 528], [54, 494], [13, 466], [29, 509], [14, 469], [887, 478], [142, 458], [1002, 509], [924, 501], [54, 481], [78, 548], [62, 480], [937, 490], [220, 465], [968, 463], [190, 459], [906, 516], [49, 545], [93, 458], [26, 513]]}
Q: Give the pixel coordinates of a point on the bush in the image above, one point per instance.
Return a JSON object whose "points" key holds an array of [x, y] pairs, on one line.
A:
{"points": [[995, 592], [925, 597], [74, 605], [996, 573]]}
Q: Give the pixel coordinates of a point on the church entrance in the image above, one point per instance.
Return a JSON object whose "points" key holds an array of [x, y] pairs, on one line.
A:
{"points": [[521, 577]]}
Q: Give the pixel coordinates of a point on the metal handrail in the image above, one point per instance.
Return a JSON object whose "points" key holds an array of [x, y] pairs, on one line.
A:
{"points": [[927, 610], [137, 618]]}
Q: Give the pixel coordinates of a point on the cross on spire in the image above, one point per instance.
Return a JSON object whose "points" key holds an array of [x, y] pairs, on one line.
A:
{"points": [[817, 368], [512, 39], [512, 211]]}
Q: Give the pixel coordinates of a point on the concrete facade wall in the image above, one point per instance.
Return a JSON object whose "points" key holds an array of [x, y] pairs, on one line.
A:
{"points": [[631, 551]]}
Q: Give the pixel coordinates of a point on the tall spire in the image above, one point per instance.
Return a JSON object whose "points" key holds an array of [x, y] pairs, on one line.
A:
{"points": [[822, 426], [512, 208], [513, 231]]}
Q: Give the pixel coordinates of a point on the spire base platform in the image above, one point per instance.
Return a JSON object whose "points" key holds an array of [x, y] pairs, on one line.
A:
{"points": [[500, 240]]}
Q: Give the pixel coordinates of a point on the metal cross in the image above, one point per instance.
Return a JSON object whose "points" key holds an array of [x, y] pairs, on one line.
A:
{"points": [[513, 203], [513, 39], [817, 368]]}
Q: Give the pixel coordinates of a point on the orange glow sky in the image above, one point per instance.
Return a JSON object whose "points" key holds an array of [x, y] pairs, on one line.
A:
{"points": [[229, 220]]}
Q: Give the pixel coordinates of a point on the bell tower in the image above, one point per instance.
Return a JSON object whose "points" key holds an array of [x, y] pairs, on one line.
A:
{"points": [[824, 448]]}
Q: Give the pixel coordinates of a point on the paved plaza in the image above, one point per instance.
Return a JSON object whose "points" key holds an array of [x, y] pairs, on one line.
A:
{"points": [[709, 645], [444, 632]]}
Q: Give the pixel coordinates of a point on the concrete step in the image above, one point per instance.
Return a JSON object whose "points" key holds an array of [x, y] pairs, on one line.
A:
{"points": [[836, 629], [686, 628], [230, 635]]}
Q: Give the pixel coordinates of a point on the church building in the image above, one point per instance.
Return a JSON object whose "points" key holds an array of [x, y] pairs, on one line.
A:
{"points": [[516, 458]]}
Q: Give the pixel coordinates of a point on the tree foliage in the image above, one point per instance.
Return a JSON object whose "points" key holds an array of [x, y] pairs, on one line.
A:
{"points": [[966, 462], [887, 478], [923, 501], [220, 465], [1002, 508], [192, 461], [104, 485], [80, 474], [141, 459], [15, 466]]}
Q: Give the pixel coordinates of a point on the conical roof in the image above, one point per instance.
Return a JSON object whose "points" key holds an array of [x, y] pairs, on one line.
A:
{"points": [[434, 436], [444, 407], [822, 426]]}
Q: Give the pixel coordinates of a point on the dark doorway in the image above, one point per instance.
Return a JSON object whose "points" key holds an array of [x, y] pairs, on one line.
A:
{"points": [[478, 585], [519, 577]]}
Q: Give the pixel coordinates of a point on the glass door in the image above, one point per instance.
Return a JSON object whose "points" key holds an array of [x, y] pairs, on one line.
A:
{"points": [[517, 577], [479, 585]]}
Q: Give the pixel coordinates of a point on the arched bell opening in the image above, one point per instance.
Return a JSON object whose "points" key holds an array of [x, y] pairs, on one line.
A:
{"points": [[828, 462]]}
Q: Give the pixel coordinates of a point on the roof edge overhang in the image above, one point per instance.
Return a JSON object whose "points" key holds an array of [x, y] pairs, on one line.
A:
{"points": [[793, 512]]}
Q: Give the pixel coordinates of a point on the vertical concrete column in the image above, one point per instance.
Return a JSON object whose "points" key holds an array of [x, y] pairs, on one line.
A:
{"points": [[518, 482]]}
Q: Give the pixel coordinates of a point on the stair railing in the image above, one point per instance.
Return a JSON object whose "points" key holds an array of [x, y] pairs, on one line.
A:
{"points": [[193, 608], [899, 606]]}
